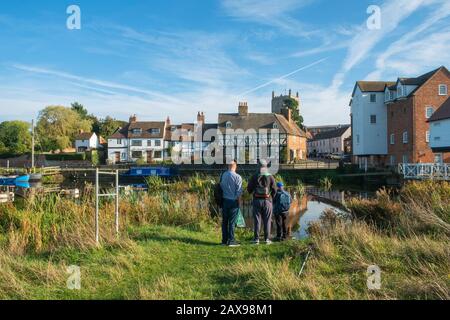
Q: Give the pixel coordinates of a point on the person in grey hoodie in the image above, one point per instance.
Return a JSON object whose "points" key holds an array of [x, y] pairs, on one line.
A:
{"points": [[231, 184]]}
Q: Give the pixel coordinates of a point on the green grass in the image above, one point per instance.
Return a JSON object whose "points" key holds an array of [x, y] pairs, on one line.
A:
{"points": [[157, 262]]}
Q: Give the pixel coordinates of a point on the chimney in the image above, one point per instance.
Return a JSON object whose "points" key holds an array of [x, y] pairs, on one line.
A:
{"points": [[200, 117], [168, 121], [287, 113], [243, 109], [133, 118]]}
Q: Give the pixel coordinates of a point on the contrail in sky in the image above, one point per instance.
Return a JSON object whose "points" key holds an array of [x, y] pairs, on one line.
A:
{"points": [[284, 76]]}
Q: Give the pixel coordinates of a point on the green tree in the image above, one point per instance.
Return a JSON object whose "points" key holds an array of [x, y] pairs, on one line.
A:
{"points": [[80, 109], [57, 127], [15, 137], [107, 126], [292, 104]]}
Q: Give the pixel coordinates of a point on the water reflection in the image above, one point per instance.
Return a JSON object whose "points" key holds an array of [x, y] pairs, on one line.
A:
{"points": [[308, 207]]}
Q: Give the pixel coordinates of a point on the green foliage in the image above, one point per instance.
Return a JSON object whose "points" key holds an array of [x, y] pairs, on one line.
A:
{"points": [[15, 137], [292, 104], [94, 157], [58, 126], [106, 127], [79, 108]]}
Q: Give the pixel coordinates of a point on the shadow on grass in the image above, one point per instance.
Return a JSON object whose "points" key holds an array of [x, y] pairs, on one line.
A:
{"points": [[160, 238]]}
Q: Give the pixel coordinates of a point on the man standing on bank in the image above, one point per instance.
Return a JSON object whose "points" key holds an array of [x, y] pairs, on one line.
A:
{"points": [[262, 186], [231, 185]]}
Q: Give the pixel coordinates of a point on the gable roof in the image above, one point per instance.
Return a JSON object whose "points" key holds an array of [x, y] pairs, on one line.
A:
{"points": [[331, 134], [84, 136], [145, 126], [258, 121], [442, 113]]}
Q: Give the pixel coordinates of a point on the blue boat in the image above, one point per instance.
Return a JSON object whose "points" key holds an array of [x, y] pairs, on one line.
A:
{"points": [[149, 172], [14, 180]]}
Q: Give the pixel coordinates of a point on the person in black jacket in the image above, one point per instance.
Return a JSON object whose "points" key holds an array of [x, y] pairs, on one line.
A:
{"points": [[262, 186]]}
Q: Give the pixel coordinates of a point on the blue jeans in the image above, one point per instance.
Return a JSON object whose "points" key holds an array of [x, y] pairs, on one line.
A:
{"points": [[230, 213]]}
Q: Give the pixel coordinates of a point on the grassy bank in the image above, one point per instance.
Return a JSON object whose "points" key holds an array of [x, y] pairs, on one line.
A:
{"points": [[168, 249]]}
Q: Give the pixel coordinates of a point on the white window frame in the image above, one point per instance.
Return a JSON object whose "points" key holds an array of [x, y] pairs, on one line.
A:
{"points": [[427, 136], [405, 137], [446, 90], [426, 112], [229, 125], [392, 139]]}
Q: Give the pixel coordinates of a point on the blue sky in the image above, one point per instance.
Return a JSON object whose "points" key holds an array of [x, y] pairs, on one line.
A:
{"points": [[176, 57]]}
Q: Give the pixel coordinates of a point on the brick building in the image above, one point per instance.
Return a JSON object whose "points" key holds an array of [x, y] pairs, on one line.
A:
{"points": [[411, 102], [390, 119]]}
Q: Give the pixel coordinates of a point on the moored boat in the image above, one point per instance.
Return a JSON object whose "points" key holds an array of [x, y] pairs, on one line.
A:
{"points": [[13, 180]]}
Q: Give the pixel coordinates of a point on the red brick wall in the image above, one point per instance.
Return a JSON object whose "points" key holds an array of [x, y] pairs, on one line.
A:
{"points": [[409, 115]]}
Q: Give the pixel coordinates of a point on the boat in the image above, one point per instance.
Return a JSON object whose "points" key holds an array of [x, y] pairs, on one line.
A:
{"points": [[149, 172], [13, 180]]}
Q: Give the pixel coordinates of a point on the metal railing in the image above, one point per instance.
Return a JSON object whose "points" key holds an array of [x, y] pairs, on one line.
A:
{"points": [[424, 171]]}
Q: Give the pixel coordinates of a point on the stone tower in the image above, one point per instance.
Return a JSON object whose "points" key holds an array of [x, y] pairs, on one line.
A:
{"points": [[278, 101]]}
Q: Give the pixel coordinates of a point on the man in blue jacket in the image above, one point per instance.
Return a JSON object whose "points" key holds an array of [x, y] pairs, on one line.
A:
{"points": [[281, 206]]}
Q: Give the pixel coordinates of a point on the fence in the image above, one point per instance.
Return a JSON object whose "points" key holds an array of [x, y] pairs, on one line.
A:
{"points": [[424, 171]]}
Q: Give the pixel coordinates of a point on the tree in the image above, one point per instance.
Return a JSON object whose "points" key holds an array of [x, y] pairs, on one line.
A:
{"points": [[80, 109], [292, 104], [57, 127], [15, 137], [108, 126]]}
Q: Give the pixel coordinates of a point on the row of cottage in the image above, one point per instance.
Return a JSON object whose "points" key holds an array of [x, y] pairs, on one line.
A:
{"points": [[404, 121], [157, 141]]}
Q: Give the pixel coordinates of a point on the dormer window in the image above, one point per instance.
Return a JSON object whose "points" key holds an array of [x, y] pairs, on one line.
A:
{"points": [[137, 131], [391, 94], [155, 131], [229, 125], [443, 90], [275, 125]]}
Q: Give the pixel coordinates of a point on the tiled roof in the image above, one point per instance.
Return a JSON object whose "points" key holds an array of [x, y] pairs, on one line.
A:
{"points": [[84, 136], [331, 134], [259, 121], [146, 133], [442, 113], [374, 86]]}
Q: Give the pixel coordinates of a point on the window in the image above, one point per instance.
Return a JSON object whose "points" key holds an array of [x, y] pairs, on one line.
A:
{"points": [[405, 137], [275, 125], [136, 154], [392, 160], [124, 156], [373, 119], [119, 141], [229, 124], [157, 144], [136, 143], [373, 98], [443, 89], [155, 131], [137, 131], [149, 143], [391, 95], [438, 158], [386, 96], [427, 136], [429, 112], [399, 91], [405, 158], [392, 139]]}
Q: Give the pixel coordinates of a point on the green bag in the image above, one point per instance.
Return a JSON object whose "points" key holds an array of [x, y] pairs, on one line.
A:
{"points": [[240, 223]]}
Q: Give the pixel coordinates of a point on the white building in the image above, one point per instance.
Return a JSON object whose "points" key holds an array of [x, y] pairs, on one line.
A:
{"points": [[369, 122], [440, 131], [86, 141], [142, 140], [329, 142]]}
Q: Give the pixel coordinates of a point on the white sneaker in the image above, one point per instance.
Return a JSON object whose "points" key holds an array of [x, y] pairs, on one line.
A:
{"points": [[268, 242], [255, 242]]}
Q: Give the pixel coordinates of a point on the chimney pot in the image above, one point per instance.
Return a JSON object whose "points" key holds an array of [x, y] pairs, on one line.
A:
{"points": [[243, 108]]}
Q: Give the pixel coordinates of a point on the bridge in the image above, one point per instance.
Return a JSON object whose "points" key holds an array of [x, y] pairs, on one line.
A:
{"points": [[424, 171]]}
